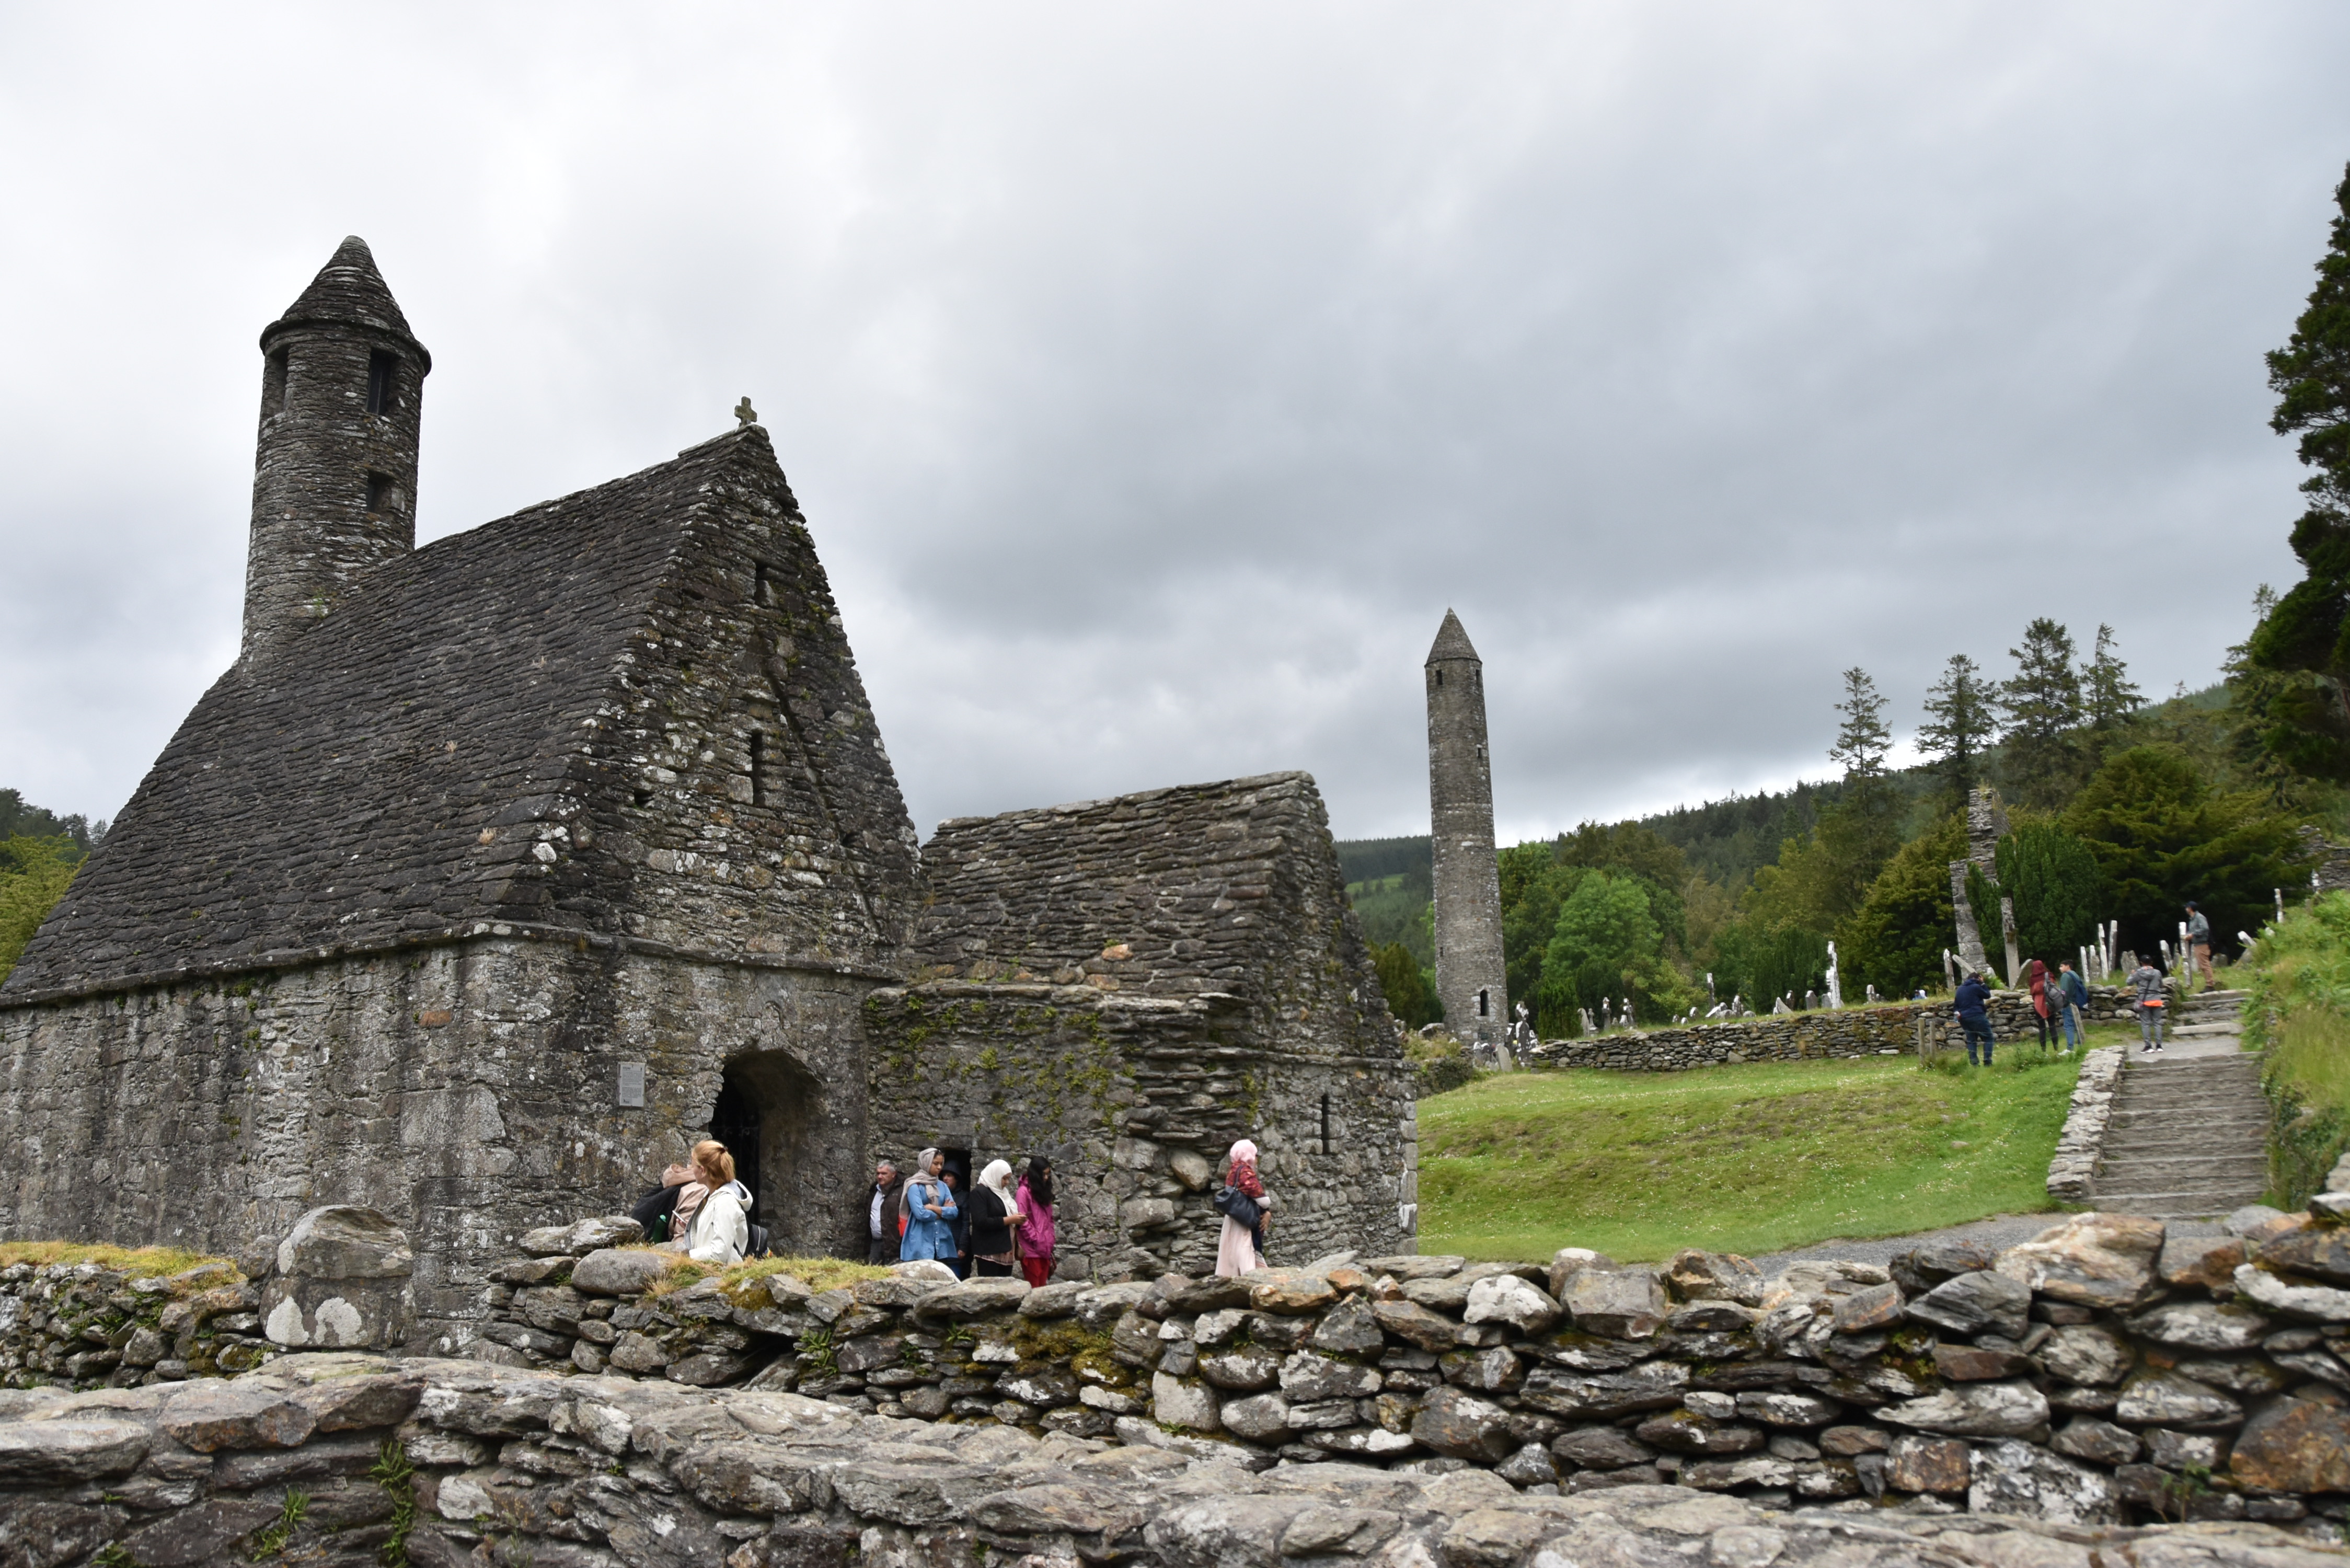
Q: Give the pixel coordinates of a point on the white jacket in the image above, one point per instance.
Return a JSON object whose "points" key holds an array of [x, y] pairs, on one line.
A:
{"points": [[719, 1232]]}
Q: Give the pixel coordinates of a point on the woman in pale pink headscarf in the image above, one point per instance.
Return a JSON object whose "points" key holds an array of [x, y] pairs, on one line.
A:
{"points": [[1236, 1248]]}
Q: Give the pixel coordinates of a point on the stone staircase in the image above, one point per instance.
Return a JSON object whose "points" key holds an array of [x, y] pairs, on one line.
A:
{"points": [[2188, 1133]]}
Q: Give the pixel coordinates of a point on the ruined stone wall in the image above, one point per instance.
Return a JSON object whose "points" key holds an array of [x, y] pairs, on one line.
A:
{"points": [[344, 1462], [471, 1091], [1808, 1036], [2103, 1372], [1137, 1100]]}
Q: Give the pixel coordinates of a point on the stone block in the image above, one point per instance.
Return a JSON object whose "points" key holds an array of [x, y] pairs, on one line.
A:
{"points": [[1175, 1402], [618, 1273], [1927, 1464], [2093, 1260], [1509, 1301], [342, 1282]]}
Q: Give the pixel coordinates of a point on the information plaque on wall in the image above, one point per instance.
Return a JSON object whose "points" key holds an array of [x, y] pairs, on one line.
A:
{"points": [[632, 1084]]}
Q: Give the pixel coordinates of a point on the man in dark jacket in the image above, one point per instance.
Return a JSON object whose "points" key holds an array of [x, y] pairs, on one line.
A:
{"points": [[1972, 1005], [881, 1215]]}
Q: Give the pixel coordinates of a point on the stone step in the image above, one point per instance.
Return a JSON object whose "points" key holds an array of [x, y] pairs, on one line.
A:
{"points": [[2181, 1205], [2138, 1170]]}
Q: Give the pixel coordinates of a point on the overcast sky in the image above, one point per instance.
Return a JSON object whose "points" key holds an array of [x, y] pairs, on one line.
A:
{"points": [[1153, 376]]}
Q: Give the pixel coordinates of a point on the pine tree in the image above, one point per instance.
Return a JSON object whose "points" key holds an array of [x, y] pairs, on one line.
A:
{"points": [[1959, 710], [2110, 696], [2308, 629], [2041, 705], [1862, 740]]}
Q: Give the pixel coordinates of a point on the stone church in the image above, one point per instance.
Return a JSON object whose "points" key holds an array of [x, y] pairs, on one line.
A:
{"points": [[497, 871]]}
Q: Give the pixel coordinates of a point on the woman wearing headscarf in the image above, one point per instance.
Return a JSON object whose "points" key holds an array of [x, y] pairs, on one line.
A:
{"points": [[2043, 1004], [1239, 1247], [1034, 1201], [994, 1217], [928, 1203]]}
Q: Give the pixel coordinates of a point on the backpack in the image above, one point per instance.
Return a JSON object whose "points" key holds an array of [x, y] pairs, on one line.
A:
{"points": [[653, 1211]]}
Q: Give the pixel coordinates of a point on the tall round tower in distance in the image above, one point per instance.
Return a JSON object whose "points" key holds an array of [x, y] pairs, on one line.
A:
{"points": [[1470, 973], [334, 478]]}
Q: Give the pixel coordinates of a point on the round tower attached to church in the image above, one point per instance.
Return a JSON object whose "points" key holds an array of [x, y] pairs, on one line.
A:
{"points": [[1470, 973], [334, 480]]}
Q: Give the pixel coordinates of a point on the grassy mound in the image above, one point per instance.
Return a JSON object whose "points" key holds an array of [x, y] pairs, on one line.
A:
{"points": [[1750, 1159], [2297, 1009], [817, 1273], [138, 1263]]}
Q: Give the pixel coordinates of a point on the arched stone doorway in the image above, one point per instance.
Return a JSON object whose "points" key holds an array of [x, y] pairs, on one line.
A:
{"points": [[767, 1116]]}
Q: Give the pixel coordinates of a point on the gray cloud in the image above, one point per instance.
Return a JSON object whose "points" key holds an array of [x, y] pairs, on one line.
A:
{"points": [[1155, 377]]}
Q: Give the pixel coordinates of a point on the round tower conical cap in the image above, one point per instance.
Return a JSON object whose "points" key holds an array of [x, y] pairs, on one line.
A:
{"points": [[1451, 642], [348, 292]]}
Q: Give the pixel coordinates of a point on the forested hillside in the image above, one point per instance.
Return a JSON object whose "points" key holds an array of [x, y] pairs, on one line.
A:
{"points": [[39, 852]]}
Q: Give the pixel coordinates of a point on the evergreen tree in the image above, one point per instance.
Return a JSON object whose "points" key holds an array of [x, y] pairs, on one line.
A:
{"points": [[34, 875], [1862, 740], [2111, 696], [2052, 879], [1961, 710], [1894, 939], [2041, 705], [2161, 835], [1410, 992], [2308, 631]]}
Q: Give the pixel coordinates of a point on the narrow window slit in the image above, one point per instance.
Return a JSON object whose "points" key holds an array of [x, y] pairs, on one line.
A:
{"points": [[762, 592], [378, 493], [272, 383], [1326, 1123], [1484, 1004], [758, 767], [383, 382]]}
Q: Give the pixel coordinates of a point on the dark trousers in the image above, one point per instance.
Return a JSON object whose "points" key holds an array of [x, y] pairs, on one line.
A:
{"points": [[2047, 1031], [884, 1250], [985, 1270], [1977, 1029]]}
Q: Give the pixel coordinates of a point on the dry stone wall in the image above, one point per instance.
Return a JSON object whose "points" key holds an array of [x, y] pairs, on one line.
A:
{"points": [[346, 1461], [1806, 1036], [2103, 1372]]}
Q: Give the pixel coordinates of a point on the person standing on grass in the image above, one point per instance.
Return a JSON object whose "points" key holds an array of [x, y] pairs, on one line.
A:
{"points": [[2073, 1005], [2146, 989], [2198, 943], [1972, 1005], [2035, 980], [1034, 1201]]}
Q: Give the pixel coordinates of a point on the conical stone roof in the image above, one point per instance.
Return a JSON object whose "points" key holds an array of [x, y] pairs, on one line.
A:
{"points": [[348, 292], [1451, 642]]}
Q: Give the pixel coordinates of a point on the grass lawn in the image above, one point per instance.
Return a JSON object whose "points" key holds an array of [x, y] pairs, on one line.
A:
{"points": [[1750, 1159]]}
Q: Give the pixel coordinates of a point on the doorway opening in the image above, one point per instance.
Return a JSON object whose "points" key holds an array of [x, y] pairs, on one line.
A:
{"points": [[735, 1122], [768, 1114]]}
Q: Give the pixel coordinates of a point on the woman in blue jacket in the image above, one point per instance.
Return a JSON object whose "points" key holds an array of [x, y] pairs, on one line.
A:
{"points": [[928, 1206]]}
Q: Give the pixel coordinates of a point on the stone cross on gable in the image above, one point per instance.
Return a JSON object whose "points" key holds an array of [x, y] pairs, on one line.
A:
{"points": [[746, 412]]}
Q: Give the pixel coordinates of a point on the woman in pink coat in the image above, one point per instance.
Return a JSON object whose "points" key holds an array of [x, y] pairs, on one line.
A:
{"points": [[1035, 1206]]}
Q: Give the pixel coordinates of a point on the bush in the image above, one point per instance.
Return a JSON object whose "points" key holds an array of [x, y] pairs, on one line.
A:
{"points": [[1410, 991], [2297, 1010]]}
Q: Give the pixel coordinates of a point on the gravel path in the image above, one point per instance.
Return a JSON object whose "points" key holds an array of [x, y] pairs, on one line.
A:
{"points": [[1999, 1231]]}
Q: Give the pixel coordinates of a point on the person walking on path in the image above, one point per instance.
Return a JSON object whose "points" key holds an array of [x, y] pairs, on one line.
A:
{"points": [[881, 1216], [2043, 1004], [2198, 943], [1243, 1201], [995, 1222], [1972, 1005], [1034, 1201], [2073, 1004], [720, 1229], [2146, 988], [928, 1204]]}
